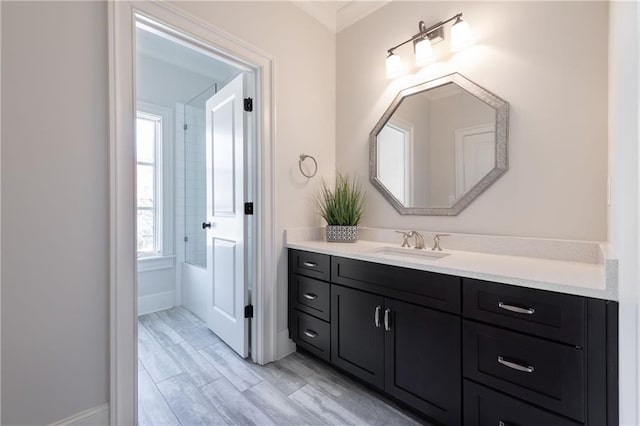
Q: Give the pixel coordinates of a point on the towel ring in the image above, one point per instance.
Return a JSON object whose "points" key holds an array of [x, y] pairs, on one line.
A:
{"points": [[315, 165]]}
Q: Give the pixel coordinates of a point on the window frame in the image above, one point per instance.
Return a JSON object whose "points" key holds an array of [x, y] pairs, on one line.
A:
{"points": [[163, 178]]}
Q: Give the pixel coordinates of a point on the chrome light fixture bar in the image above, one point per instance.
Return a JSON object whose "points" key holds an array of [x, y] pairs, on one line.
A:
{"points": [[425, 38]]}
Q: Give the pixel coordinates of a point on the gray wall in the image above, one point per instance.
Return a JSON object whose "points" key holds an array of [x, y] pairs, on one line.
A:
{"points": [[55, 209], [55, 255]]}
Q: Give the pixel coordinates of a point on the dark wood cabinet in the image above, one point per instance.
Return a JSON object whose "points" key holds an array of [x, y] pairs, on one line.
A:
{"points": [[357, 339], [518, 356], [422, 360], [411, 352], [486, 407]]}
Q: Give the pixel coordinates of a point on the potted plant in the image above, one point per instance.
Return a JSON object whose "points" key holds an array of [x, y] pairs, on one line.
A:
{"points": [[342, 208]]}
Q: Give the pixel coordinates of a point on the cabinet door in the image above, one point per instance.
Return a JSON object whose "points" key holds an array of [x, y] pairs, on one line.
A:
{"points": [[422, 360], [356, 338]]}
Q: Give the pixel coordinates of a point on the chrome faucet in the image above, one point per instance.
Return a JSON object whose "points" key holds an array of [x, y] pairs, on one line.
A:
{"points": [[436, 241], [405, 239], [419, 239]]}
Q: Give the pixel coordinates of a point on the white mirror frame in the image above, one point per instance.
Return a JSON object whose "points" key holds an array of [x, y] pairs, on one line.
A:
{"points": [[502, 136]]}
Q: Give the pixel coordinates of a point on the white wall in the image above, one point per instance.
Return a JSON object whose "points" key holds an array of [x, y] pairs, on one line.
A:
{"points": [[304, 54], [542, 58], [55, 211], [55, 289], [624, 76], [165, 84]]}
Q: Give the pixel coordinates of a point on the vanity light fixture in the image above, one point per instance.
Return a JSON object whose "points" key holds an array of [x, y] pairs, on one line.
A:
{"points": [[424, 40]]}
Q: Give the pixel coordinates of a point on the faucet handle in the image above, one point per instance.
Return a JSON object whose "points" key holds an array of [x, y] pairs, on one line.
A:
{"points": [[405, 238], [436, 242]]}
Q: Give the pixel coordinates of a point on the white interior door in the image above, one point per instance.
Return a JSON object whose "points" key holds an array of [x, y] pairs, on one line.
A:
{"points": [[475, 152], [226, 133]]}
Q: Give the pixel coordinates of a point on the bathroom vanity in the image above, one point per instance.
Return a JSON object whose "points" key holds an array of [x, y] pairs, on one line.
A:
{"points": [[458, 349]]}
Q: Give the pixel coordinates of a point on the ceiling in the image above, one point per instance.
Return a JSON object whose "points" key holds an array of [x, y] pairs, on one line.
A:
{"points": [[338, 15]]}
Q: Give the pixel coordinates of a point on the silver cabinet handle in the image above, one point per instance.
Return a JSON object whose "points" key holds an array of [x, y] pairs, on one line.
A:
{"points": [[501, 423], [310, 333], [516, 309], [376, 316], [386, 319], [515, 366], [310, 264], [310, 296]]}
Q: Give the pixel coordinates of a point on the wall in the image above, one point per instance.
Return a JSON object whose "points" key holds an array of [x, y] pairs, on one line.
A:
{"points": [[55, 213], [624, 87], [556, 150], [165, 84], [304, 54]]}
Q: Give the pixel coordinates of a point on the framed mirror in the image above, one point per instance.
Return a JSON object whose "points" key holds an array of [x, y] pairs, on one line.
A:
{"points": [[438, 146]]}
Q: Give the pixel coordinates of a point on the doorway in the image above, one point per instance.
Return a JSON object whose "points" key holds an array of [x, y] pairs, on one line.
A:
{"points": [[166, 19], [195, 146]]}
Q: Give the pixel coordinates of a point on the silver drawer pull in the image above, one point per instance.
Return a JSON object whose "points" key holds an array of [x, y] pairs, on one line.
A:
{"points": [[310, 264], [515, 366], [387, 327], [310, 296], [376, 316], [310, 333], [516, 309]]}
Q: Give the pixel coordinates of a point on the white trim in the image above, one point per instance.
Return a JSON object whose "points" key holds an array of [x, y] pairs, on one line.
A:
{"points": [[96, 416], [122, 235], [285, 345], [156, 302], [153, 263]]}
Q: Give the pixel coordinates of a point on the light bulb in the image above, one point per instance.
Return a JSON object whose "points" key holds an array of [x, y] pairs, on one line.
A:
{"points": [[393, 65], [461, 35], [424, 52]]}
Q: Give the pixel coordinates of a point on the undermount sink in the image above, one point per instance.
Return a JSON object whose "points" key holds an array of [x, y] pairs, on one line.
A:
{"points": [[410, 252]]}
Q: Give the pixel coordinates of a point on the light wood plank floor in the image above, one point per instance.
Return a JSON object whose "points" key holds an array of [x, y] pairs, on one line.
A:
{"points": [[188, 376]]}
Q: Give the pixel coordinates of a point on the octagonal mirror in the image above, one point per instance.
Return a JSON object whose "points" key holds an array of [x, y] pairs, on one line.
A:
{"points": [[439, 145]]}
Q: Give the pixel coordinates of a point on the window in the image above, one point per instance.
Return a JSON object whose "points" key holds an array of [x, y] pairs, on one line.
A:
{"points": [[149, 130]]}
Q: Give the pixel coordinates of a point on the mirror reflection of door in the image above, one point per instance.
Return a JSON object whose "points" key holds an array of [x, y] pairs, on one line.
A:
{"points": [[395, 155], [475, 155]]}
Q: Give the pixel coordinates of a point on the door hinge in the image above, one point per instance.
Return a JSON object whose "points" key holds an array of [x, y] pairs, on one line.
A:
{"points": [[185, 127], [248, 104], [248, 311], [248, 208]]}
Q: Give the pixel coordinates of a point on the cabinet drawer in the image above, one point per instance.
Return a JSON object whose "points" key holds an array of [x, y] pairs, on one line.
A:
{"points": [[544, 373], [486, 407], [424, 288], [311, 334], [314, 265], [542, 313], [311, 296]]}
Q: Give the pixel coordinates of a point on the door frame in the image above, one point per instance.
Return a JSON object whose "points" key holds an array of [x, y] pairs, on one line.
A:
{"points": [[123, 291]]}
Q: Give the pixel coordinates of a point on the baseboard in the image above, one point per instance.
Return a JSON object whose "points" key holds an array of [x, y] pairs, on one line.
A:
{"points": [[284, 345], [96, 416], [156, 302]]}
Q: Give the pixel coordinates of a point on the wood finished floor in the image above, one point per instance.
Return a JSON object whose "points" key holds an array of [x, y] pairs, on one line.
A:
{"points": [[188, 376]]}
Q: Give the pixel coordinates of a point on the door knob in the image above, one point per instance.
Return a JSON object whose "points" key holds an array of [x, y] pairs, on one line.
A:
{"points": [[206, 225]]}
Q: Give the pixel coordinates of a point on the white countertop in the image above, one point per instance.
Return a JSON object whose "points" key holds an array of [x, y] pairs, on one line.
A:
{"points": [[570, 277]]}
